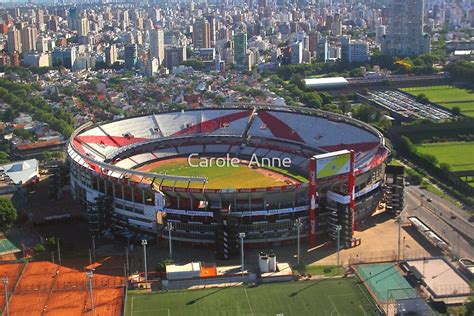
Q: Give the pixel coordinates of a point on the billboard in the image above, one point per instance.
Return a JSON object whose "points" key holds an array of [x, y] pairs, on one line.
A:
{"points": [[332, 164]]}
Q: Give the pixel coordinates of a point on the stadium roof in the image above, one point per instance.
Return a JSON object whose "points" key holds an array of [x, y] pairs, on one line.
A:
{"points": [[326, 83], [21, 172]]}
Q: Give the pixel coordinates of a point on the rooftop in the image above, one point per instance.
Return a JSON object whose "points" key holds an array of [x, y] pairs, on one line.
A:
{"points": [[20, 172], [442, 281]]}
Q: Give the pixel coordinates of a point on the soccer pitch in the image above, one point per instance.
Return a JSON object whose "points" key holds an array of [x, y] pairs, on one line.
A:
{"points": [[324, 297], [226, 177], [447, 96], [459, 155]]}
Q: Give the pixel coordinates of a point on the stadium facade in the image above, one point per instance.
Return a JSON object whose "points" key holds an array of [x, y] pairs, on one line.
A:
{"points": [[117, 196]]}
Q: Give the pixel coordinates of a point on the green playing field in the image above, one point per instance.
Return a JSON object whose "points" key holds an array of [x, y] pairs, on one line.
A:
{"points": [[459, 155], [226, 177], [447, 96], [325, 297]]}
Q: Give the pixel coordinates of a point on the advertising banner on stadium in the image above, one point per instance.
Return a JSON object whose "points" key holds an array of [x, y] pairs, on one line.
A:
{"points": [[333, 164]]}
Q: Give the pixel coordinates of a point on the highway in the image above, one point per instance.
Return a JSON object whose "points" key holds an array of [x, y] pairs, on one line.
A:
{"points": [[446, 219]]}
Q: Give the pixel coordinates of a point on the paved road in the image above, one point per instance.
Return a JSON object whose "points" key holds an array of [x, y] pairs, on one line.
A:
{"points": [[445, 219]]}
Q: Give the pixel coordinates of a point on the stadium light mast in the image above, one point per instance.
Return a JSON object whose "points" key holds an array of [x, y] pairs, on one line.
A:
{"points": [[170, 227], [93, 248], [298, 224], [338, 230], [59, 250], [242, 236], [144, 243], [5, 287], [90, 275], [399, 222]]}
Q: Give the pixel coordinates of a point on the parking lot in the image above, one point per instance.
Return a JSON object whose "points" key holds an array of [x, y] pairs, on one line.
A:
{"points": [[408, 107]]}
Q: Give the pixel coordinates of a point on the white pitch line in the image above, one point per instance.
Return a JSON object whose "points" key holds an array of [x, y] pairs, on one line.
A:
{"points": [[363, 310], [248, 300], [365, 295], [153, 310], [131, 312], [334, 305]]}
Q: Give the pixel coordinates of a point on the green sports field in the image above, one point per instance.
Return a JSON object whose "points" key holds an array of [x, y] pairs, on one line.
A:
{"points": [[385, 281], [227, 177], [326, 297], [459, 155], [447, 96]]}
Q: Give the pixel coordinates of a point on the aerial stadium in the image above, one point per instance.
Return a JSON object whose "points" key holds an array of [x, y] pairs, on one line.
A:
{"points": [[143, 176]]}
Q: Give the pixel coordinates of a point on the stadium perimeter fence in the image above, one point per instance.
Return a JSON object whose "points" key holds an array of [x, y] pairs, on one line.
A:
{"points": [[385, 256], [79, 285], [386, 285]]}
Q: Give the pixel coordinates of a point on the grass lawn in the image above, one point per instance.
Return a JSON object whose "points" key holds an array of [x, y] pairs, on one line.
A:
{"points": [[460, 155], [228, 177], [324, 297], [447, 96], [328, 271]]}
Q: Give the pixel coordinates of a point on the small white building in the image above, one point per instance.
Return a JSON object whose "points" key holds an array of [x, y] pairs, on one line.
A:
{"points": [[326, 83], [183, 271]]}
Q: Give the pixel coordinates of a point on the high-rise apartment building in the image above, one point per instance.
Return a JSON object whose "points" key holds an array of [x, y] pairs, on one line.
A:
{"points": [[174, 56], [83, 26], [111, 54], [14, 41], [241, 58], [201, 34], [354, 51], [297, 52], [131, 56], [28, 39], [404, 35], [157, 45]]}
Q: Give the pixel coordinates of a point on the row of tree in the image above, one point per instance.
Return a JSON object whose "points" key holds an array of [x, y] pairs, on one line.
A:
{"points": [[462, 70], [420, 65], [19, 96]]}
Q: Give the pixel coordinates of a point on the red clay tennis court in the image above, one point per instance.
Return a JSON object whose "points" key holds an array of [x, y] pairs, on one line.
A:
{"points": [[46, 288]]}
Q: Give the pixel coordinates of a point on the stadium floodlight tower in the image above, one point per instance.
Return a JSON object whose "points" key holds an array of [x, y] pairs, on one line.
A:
{"points": [[5, 287], [144, 243], [398, 220], [338, 230], [90, 275], [298, 225], [170, 227], [242, 236]]}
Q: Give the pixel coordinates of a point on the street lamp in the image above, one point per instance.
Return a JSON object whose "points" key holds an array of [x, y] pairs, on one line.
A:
{"points": [[403, 248], [93, 247], [170, 227], [338, 230], [298, 224], [5, 287], [89, 275], [59, 250], [144, 243], [399, 221], [242, 236]]}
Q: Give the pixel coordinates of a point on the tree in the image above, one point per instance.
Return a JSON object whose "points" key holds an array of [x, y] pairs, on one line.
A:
{"points": [[366, 113], [462, 70], [422, 98], [456, 110], [445, 166], [4, 157], [344, 105], [161, 266], [194, 63], [23, 133], [8, 214]]}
